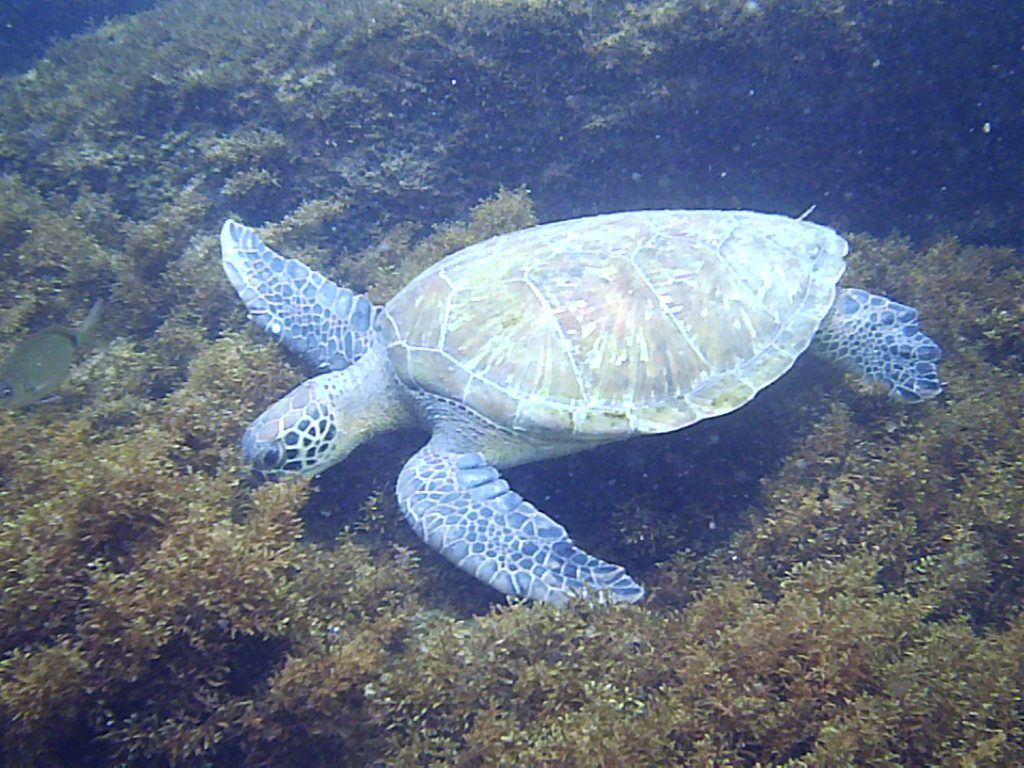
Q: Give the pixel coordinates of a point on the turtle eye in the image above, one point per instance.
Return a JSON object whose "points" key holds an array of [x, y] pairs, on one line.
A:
{"points": [[270, 458]]}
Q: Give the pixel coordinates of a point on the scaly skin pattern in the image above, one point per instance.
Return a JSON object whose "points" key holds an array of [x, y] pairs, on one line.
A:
{"points": [[460, 505], [878, 339], [328, 326]]}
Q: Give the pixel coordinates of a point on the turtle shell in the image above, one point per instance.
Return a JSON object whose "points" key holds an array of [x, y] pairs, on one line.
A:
{"points": [[612, 325]]}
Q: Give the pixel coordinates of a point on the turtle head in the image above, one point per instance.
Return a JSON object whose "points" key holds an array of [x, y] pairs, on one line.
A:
{"points": [[298, 434], [321, 421]]}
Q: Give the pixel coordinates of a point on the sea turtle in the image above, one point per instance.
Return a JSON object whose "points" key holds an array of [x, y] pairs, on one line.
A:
{"points": [[551, 340]]}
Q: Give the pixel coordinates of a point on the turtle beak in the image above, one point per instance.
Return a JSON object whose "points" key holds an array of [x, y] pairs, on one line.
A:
{"points": [[258, 477]]}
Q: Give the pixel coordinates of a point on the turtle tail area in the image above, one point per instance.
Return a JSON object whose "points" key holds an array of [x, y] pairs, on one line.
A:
{"points": [[878, 339], [460, 506]]}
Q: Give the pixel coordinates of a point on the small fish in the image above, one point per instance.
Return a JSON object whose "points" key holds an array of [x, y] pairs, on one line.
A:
{"points": [[41, 362]]}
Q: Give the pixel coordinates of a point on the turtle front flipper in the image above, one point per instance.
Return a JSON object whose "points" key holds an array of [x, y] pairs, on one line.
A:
{"points": [[327, 325], [461, 507], [878, 339]]}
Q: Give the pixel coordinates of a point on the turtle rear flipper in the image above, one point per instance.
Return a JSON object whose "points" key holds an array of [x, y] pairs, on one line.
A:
{"points": [[327, 325], [878, 339], [460, 506]]}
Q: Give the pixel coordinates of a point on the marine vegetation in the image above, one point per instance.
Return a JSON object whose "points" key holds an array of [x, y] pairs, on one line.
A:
{"points": [[833, 579]]}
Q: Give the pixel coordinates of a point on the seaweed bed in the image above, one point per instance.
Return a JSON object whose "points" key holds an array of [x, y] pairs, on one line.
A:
{"points": [[834, 579]]}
